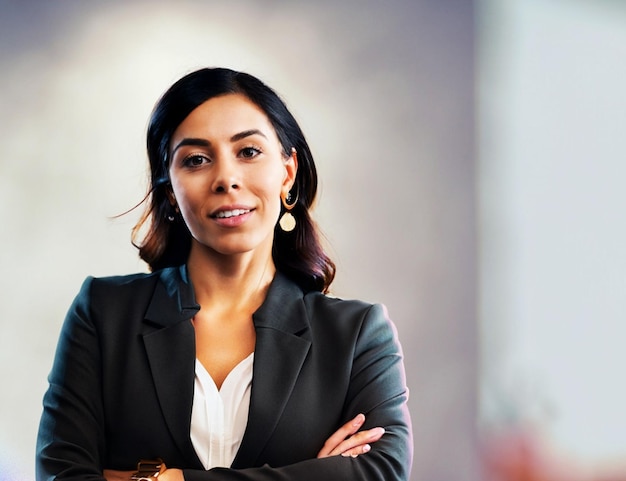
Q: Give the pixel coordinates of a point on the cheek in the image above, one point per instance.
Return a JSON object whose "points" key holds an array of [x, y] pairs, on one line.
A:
{"points": [[184, 192], [275, 204], [273, 191]]}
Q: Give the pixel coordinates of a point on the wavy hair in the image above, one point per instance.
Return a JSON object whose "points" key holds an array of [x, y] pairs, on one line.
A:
{"points": [[163, 243]]}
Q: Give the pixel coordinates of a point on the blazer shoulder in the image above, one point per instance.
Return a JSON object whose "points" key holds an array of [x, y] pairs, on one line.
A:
{"points": [[124, 281], [101, 290], [170, 276], [352, 314], [318, 301]]}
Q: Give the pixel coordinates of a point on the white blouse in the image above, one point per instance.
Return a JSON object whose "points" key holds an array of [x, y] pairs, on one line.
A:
{"points": [[219, 417]]}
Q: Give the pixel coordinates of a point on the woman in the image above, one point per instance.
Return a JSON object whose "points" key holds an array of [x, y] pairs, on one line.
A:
{"points": [[228, 361]]}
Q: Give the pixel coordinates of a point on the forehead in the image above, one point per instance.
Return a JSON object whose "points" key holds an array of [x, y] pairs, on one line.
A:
{"points": [[224, 116]]}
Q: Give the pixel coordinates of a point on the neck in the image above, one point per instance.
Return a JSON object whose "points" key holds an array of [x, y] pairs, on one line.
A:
{"points": [[230, 282]]}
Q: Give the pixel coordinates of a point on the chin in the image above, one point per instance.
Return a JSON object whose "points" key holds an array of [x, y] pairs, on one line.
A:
{"points": [[236, 245], [233, 248]]}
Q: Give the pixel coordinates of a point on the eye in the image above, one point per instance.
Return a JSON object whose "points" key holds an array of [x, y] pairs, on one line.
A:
{"points": [[249, 152], [194, 160]]}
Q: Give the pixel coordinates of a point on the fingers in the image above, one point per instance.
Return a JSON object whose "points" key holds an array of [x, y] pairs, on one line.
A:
{"points": [[354, 452], [171, 474], [347, 441], [340, 435], [358, 443]]}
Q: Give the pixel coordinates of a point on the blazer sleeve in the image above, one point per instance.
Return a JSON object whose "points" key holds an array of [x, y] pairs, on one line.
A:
{"points": [[378, 389], [70, 443]]}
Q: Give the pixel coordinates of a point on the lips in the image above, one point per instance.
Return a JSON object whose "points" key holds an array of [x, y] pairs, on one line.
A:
{"points": [[231, 215], [225, 214]]}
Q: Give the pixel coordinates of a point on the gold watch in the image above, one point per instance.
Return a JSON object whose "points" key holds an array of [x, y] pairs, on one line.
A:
{"points": [[147, 470]]}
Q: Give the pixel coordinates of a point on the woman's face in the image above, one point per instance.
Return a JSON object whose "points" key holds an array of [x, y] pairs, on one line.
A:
{"points": [[228, 173]]}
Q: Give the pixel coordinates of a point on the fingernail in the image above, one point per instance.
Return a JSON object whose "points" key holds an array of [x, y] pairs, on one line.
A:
{"points": [[366, 448], [358, 419]]}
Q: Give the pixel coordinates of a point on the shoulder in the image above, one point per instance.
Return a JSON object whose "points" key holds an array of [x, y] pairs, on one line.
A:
{"points": [[127, 281], [344, 308], [113, 292], [169, 276], [361, 331], [95, 287], [352, 315]]}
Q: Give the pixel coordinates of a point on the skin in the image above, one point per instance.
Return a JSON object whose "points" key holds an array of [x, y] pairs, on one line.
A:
{"points": [[226, 157], [228, 174]]}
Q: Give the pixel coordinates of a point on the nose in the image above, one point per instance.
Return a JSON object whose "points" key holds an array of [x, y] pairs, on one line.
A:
{"points": [[226, 176]]}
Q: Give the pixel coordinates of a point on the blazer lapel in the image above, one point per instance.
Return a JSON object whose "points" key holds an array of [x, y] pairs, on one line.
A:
{"points": [[171, 353], [281, 348], [279, 355]]}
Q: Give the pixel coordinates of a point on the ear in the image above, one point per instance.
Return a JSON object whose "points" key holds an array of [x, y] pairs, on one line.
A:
{"points": [[170, 195], [291, 169]]}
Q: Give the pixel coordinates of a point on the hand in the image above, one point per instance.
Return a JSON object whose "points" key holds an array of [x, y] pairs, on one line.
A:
{"points": [[113, 475], [171, 475], [345, 442], [164, 474]]}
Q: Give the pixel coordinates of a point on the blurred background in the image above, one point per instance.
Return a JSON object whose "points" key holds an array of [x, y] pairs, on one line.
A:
{"points": [[471, 165], [551, 110]]}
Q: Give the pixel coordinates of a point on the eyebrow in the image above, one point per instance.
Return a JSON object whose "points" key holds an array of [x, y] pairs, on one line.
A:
{"points": [[205, 143], [191, 141], [247, 133]]}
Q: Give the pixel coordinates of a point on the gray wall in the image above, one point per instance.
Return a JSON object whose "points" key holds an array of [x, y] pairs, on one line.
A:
{"points": [[384, 91], [552, 110]]}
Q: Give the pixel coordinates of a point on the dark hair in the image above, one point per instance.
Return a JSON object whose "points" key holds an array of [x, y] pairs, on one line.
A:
{"points": [[163, 243]]}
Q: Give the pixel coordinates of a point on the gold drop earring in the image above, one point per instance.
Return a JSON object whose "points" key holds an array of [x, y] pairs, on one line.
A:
{"points": [[287, 221]]}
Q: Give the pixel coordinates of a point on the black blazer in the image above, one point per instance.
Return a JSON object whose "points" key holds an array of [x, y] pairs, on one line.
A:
{"points": [[122, 382]]}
